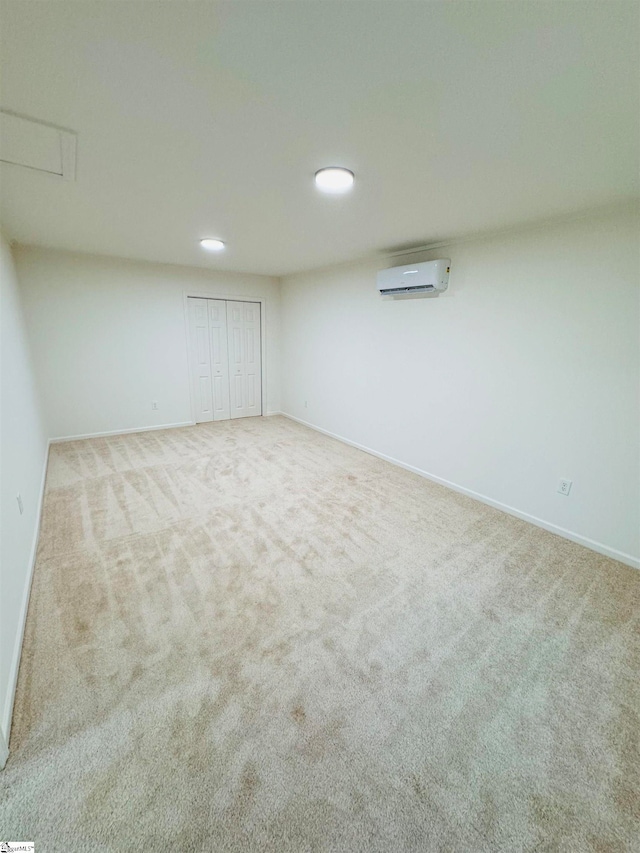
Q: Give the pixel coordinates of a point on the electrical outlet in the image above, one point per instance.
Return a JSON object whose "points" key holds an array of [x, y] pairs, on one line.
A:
{"points": [[20, 504], [564, 486], [306, 404], [154, 405]]}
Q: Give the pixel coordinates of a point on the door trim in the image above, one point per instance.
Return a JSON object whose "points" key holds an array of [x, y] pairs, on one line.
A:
{"points": [[203, 294]]}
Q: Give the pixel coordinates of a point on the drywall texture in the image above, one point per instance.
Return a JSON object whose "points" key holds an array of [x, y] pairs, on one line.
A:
{"points": [[526, 371], [109, 337], [23, 453]]}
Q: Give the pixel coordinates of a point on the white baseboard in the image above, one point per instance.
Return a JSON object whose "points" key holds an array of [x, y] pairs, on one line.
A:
{"points": [[271, 414], [7, 711], [4, 752], [118, 432], [605, 550]]}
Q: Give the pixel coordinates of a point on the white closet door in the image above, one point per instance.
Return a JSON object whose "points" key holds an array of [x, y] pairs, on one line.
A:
{"points": [[200, 359], [219, 358], [245, 372]]}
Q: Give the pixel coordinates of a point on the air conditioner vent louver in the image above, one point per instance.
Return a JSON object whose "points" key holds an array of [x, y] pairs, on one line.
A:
{"points": [[426, 288]]}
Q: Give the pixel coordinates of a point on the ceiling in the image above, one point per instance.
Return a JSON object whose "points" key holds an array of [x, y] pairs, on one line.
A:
{"points": [[199, 119]]}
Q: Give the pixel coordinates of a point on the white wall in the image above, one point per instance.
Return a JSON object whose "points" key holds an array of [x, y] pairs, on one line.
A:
{"points": [[23, 455], [525, 371], [109, 336]]}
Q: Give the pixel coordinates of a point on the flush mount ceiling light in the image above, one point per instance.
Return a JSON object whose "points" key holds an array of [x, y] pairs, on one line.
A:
{"points": [[334, 179], [212, 245]]}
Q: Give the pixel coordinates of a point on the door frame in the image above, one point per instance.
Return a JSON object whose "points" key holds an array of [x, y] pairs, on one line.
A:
{"points": [[203, 294]]}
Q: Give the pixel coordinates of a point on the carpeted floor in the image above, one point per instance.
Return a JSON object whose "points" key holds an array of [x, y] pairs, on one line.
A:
{"points": [[249, 637]]}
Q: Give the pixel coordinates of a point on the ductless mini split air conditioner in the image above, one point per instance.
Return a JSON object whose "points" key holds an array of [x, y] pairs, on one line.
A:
{"points": [[429, 277]]}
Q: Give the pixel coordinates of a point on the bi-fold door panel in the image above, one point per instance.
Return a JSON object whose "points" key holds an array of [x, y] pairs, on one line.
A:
{"points": [[225, 356], [200, 359], [219, 358], [245, 370]]}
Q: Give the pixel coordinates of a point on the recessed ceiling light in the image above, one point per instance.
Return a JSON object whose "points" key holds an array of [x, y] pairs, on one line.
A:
{"points": [[334, 179], [212, 245]]}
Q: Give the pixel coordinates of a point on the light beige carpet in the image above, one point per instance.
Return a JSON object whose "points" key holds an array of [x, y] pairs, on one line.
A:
{"points": [[249, 637]]}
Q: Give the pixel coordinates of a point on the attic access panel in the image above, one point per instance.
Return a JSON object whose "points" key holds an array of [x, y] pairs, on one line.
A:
{"points": [[37, 145]]}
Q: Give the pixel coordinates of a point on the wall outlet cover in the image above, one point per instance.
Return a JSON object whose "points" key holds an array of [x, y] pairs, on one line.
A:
{"points": [[564, 486]]}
